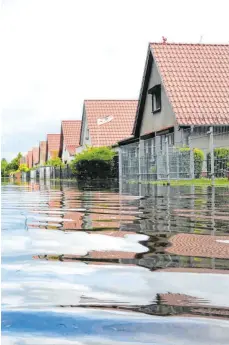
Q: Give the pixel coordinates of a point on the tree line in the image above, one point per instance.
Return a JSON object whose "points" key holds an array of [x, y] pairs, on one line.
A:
{"points": [[10, 167]]}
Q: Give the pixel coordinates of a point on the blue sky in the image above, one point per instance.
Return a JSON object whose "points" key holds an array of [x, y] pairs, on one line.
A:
{"points": [[55, 54]]}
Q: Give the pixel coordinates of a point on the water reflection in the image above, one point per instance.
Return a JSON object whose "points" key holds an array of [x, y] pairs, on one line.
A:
{"points": [[108, 327], [150, 250]]}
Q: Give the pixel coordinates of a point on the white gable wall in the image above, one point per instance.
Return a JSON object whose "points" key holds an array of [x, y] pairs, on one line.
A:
{"points": [[84, 140]]}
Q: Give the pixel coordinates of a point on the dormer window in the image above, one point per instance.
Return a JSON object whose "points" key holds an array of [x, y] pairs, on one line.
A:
{"points": [[156, 98]]}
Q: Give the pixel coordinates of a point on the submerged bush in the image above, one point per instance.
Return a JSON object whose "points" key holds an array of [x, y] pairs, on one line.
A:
{"points": [[198, 162], [185, 161], [221, 162], [95, 162]]}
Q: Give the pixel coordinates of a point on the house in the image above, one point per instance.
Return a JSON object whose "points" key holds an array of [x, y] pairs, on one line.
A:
{"points": [[70, 138], [30, 159], [105, 122], [43, 152], [36, 156], [23, 160], [184, 92], [53, 146]]}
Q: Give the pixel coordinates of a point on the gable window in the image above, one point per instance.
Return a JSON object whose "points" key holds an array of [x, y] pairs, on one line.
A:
{"points": [[156, 98], [87, 134]]}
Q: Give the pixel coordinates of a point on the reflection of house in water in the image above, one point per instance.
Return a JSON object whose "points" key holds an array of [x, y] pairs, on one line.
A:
{"points": [[76, 220], [176, 303], [72, 199], [199, 245], [191, 211], [95, 213]]}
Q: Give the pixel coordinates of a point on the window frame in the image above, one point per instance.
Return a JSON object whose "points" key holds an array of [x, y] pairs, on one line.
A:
{"points": [[155, 93], [87, 134]]}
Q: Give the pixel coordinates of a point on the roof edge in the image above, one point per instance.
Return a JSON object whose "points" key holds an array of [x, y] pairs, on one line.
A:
{"points": [[111, 100], [189, 44]]}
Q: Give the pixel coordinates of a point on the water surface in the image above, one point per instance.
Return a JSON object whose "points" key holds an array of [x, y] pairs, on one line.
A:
{"points": [[102, 264]]}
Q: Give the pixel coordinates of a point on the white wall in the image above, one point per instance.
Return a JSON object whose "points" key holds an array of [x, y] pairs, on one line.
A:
{"points": [[85, 141]]}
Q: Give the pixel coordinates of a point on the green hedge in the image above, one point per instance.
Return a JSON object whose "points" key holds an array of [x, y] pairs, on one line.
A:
{"points": [[184, 161], [221, 162], [95, 162]]}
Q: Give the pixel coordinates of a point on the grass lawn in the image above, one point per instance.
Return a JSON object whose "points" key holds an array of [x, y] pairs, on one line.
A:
{"points": [[219, 182], [224, 182]]}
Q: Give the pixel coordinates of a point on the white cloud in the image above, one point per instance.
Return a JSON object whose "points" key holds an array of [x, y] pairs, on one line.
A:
{"points": [[55, 54]]}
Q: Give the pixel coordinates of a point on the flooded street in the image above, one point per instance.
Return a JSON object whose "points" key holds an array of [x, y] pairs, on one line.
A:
{"points": [[131, 265]]}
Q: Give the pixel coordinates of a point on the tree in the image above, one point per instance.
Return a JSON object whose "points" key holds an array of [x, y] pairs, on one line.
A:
{"points": [[14, 164], [4, 165]]}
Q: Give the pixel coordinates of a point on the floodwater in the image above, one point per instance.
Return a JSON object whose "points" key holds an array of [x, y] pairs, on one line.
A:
{"points": [[98, 264]]}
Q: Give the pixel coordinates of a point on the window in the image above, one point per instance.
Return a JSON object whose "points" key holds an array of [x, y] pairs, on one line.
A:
{"points": [[87, 134], [162, 138], [171, 139], [156, 98]]}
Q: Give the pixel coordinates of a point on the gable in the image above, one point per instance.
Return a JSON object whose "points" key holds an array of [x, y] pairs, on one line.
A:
{"points": [[85, 133], [165, 117]]}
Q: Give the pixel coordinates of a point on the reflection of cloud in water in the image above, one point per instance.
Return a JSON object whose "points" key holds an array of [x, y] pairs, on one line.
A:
{"points": [[107, 327], [80, 243], [65, 283]]}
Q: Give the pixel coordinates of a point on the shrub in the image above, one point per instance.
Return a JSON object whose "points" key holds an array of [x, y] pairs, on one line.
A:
{"points": [[95, 162], [185, 161], [198, 162], [55, 162], [221, 162], [23, 167]]}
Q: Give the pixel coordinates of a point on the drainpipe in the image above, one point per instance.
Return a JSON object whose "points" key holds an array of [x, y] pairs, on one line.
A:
{"points": [[192, 165], [211, 149], [139, 159]]}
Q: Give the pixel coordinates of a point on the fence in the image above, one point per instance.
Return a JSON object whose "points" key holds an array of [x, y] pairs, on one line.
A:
{"points": [[48, 172], [197, 155]]}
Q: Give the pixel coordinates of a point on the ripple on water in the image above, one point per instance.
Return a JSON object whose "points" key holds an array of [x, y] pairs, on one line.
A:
{"points": [[100, 266]]}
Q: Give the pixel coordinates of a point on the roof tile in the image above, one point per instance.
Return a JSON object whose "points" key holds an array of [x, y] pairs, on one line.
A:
{"points": [[53, 141], [122, 113], [196, 79], [71, 135], [35, 153], [43, 151]]}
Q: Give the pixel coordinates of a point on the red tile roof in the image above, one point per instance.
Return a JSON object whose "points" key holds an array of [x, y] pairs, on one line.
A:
{"points": [[43, 149], [196, 80], [122, 114], [30, 159], [35, 153], [26, 159], [53, 144], [71, 135]]}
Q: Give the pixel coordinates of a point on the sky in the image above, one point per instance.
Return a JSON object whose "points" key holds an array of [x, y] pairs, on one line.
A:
{"points": [[54, 54]]}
